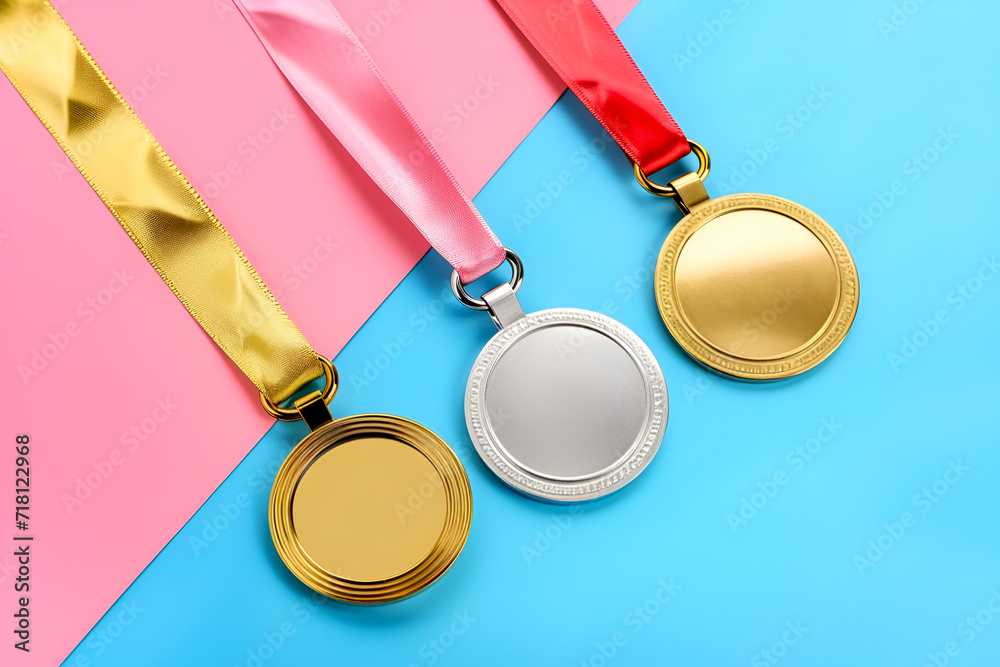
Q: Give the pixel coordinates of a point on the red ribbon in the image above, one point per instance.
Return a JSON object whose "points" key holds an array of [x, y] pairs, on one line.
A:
{"points": [[576, 40]]}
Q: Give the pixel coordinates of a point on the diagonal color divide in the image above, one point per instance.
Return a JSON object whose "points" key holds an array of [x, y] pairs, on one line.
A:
{"points": [[134, 416]]}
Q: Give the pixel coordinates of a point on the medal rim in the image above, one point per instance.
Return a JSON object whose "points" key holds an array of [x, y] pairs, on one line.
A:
{"points": [[564, 490], [440, 557], [820, 346]]}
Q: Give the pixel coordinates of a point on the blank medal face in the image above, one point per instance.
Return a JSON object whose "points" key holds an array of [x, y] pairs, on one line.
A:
{"points": [[370, 509], [547, 407], [355, 509], [756, 287], [566, 405]]}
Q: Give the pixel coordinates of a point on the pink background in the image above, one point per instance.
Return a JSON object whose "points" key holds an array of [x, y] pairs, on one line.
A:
{"points": [[200, 80]]}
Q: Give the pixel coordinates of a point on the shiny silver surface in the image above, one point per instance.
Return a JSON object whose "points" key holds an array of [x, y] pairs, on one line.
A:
{"points": [[566, 405], [503, 306]]}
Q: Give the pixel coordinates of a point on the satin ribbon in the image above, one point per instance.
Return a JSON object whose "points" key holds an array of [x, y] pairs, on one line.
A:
{"points": [[583, 49], [155, 204], [321, 57]]}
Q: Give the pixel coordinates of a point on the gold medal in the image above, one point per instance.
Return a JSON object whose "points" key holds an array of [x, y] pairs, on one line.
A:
{"points": [[366, 509], [369, 508], [751, 286]]}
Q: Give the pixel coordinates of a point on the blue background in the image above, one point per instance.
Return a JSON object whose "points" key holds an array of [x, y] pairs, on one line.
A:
{"points": [[541, 584]]}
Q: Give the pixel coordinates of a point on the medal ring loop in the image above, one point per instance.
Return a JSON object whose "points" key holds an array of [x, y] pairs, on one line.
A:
{"points": [[516, 278], [668, 190], [329, 389]]}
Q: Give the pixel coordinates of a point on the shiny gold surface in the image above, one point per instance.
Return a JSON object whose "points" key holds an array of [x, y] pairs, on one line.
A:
{"points": [[366, 509], [370, 509], [756, 287], [155, 204], [330, 386], [756, 284]]}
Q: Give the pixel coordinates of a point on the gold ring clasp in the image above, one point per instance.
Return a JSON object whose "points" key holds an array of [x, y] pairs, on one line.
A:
{"points": [[668, 190], [290, 415]]}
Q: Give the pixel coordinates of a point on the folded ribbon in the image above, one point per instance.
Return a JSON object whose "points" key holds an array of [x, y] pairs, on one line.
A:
{"points": [[583, 49], [321, 57], [155, 204]]}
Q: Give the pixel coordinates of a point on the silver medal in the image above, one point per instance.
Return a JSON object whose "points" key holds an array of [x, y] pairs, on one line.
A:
{"points": [[564, 405]]}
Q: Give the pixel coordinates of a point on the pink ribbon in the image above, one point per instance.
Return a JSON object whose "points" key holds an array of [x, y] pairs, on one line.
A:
{"points": [[320, 56]]}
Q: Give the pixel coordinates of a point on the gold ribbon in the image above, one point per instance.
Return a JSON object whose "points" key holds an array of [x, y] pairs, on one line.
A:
{"points": [[155, 204]]}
